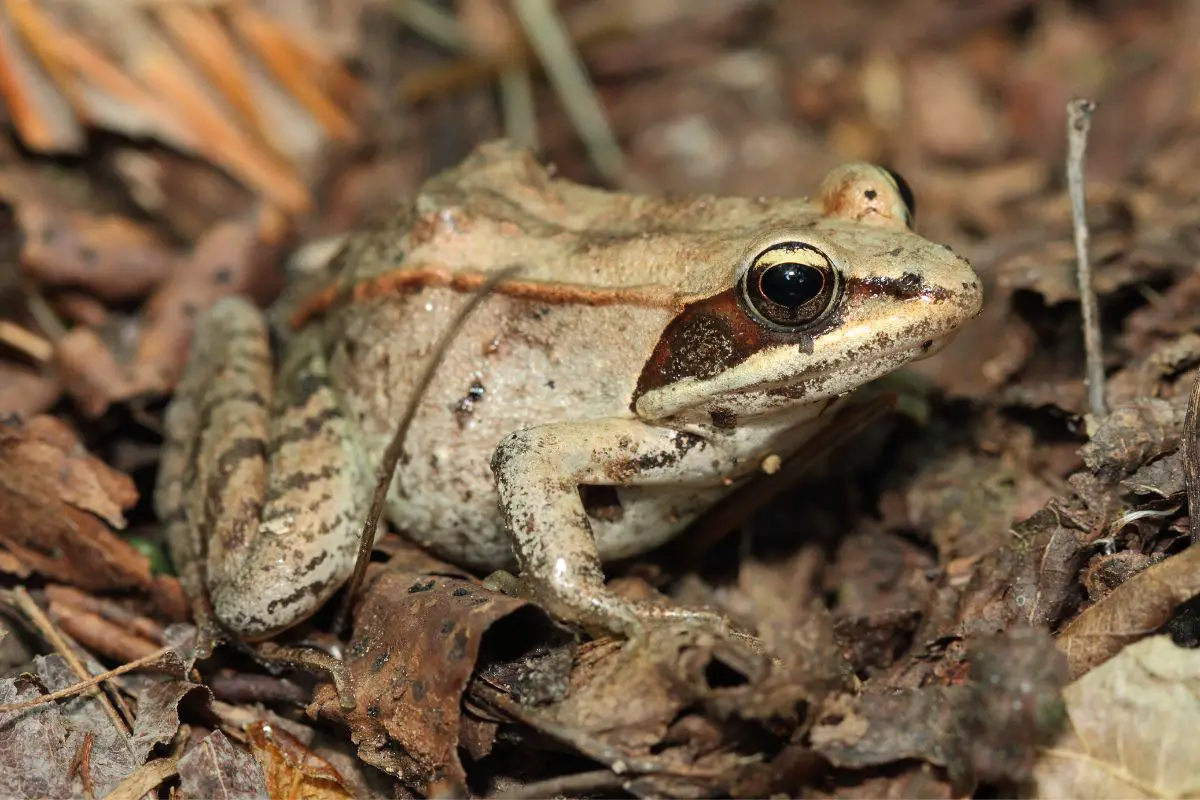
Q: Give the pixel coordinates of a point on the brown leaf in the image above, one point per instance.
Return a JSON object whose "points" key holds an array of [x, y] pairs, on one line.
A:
{"points": [[91, 373], [950, 111], [1163, 477], [110, 256], [292, 769], [235, 257], [216, 768], [33, 759], [985, 730], [1132, 731], [158, 713], [111, 758], [55, 499], [417, 637], [1140, 606], [1134, 434], [102, 626], [26, 391], [43, 117], [701, 701]]}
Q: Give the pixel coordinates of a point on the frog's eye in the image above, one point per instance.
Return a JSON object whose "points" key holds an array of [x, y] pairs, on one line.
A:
{"points": [[790, 285]]}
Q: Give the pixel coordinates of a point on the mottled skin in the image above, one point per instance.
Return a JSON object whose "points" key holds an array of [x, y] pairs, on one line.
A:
{"points": [[622, 355]]}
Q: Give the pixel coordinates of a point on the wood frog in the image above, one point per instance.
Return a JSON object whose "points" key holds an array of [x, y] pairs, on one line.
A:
{"points": [[646, 357]]}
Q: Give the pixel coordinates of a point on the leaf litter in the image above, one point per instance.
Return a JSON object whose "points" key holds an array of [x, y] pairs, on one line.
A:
{"points": [[989, 591]]}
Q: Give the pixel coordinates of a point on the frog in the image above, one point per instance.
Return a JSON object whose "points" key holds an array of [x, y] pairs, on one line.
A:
{"points": [[642, 357]]}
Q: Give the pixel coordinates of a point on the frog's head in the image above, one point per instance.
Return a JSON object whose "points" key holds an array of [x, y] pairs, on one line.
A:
{"points": [[827, 299]]}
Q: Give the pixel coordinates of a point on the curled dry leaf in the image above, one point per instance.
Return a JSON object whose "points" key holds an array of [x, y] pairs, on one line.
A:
{"points": [[110, 758], [1164, 477], [418, 635], [158, 712], [703, 704], [33, 762], [1134, 434], [57, 503], [235, 257], [1132, 731], [292, 768], [181, 75], [1139, 606]]}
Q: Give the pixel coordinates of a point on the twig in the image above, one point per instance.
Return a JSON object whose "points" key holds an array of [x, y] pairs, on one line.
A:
{"points": [[1191, 460], [23, 601], [552, 42], [76, 688], [395, 449], [567, 785], [1079, 120], [144, 779], [81, 765], [28, 342]]}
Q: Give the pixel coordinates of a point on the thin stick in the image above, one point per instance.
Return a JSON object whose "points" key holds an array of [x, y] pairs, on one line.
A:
{"points": [[23, 601], [76, 688], [555, 48], [31, 344], [1079, 121], [391, 456], [1191, 460], [567, 785]]}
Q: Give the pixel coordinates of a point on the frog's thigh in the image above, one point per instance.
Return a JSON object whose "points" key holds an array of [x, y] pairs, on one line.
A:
{"points": [[275, 554], [216, 430], [538, 473]]}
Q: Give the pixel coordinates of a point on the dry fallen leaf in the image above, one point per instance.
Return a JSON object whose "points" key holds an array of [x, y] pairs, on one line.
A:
{"points": [[109, 255], [417, 636], [1129, 612], [91, 373], [218, 769], [46, 749], [1133, 434], [292, 769], [26, 391], [58, 504], [236, 256], [1132, 729], [986, 729]]}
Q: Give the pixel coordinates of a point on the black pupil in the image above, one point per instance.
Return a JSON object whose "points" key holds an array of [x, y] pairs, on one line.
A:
{"points": [[791, 285]]}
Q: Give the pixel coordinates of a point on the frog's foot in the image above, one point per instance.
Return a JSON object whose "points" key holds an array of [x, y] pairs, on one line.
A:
{"points": [[581, 598], [312, 659]]}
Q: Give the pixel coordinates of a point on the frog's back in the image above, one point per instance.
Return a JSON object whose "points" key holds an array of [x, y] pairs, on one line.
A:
{"points": [[500, 208], [601, 275]]}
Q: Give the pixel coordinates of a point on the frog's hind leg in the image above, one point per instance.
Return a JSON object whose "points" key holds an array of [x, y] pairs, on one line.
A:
{"points": [[223, 394], [257, 480]]}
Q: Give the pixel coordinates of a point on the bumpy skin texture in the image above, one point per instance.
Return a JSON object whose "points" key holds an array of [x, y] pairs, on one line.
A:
{"points": [[622, 355]]}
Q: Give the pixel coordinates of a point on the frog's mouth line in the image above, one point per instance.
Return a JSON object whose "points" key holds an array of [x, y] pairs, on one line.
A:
{"points": [[935, 346]]}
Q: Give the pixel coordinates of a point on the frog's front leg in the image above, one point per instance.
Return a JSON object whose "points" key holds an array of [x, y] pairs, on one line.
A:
{"points": [[259, 475], [538, 473]]}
